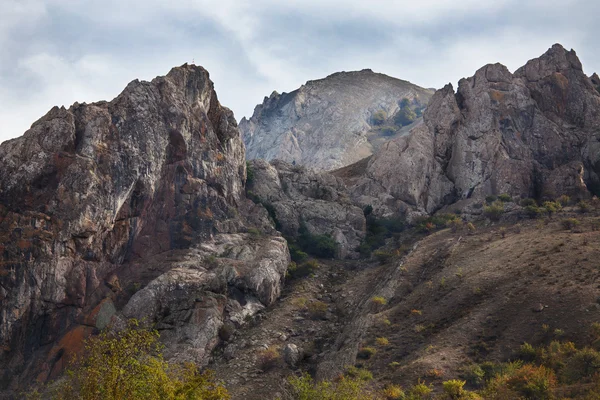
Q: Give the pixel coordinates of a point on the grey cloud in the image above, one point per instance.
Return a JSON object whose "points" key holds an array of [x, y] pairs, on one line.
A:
{"points": [[61, 51]]}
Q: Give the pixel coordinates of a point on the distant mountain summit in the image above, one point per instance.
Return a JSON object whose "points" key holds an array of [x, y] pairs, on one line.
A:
{"points": [[333, 122]]}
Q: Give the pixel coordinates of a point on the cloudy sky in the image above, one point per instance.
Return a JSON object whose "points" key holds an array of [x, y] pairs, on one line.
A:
{"points": [[56, 52]]}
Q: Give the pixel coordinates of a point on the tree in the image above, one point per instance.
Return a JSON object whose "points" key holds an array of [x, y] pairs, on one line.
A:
{"points": [[379, 117], [129, 365], [405, 116]]}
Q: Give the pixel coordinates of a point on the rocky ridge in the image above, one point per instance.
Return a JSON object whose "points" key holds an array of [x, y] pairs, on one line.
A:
{"points": [[532, 133], [328, 123]]}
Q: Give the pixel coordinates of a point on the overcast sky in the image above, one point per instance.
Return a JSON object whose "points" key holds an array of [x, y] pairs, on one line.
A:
{"points": [[56, 52]]}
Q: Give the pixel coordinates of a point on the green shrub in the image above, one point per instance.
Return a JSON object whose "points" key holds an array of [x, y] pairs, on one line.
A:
{"points": [[378, 230], [317, 309], [346, 388], [534, 211], [584, 364], [359, 373], [303, 270], [564, 200], [129, 365], [491, 198], [528, 202], [296, 254], [505, 197], [583, 206], [527, 352], [383, 256], [379, 117], [366, 352], [454, 389], [420, 391], [570, 223], [318, 245], [388, 131], [368, 210], [249, 174], [552, 207], [405, 116], [474, 375], [494, 211]]}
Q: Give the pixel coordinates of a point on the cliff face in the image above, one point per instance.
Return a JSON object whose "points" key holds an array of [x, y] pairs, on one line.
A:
{"points": [[129, 208], [332, 122], [534, 133]]}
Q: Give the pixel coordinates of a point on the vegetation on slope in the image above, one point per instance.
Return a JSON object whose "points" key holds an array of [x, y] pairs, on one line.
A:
{"points": [[128, 365]]}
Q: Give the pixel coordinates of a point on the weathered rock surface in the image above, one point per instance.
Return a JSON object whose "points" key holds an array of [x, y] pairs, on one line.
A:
{"points": [[145, 195], [317, 199], [534, 133], [327, 123]]}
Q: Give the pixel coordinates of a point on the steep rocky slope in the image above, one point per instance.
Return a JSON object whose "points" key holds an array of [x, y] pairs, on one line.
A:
{"points": [[302, 198], [331, 122], [532, 133], [129, 208]]}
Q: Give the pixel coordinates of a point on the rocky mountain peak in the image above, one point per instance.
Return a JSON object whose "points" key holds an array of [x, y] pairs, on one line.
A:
{"points": [[332, 122]]}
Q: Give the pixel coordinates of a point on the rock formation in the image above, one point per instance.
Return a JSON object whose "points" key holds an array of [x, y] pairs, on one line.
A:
{"points": [[534, 133], [330, 123], [129, 208], [318, 200]]}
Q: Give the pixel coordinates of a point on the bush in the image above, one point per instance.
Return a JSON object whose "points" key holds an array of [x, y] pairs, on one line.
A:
{"points": [[317, 309], [379, 117], [366, 352], [528, 202], [381, 341], [393, 392], [268, 359], [296, 254], [527, 352], [552, 207], [564, 200], [491, 198], [419, 392], [303, 270], [388, 131], [405, 116], [570, 223], [129, 365], [583, 364], [454, 389], [249, 174], [378, 300], [505, 197], [378, 230], [533, 211], [533, 382], [494, 211], [345, 388], [383, 256], [438, 221], [583, 206], [318, 245], [474, 375]]}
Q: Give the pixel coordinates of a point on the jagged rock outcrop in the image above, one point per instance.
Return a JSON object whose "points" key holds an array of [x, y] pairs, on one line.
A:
{"points": [[299, 195], [329, 123], [129, 208], [534, 133]]}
